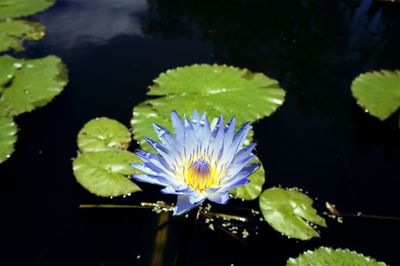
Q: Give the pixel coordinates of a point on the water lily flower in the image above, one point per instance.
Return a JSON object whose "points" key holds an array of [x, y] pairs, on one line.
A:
{"points": [[200, 161]]}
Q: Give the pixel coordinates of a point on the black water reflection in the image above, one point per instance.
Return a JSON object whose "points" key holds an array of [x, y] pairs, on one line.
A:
{"points": [[319, 140]]}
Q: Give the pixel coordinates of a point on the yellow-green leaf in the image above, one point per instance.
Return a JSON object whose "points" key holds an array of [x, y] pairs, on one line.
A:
{"points": [[20, 8], [14, 32], [8, 137], [253, 189], [290, 212], [327, 256], [106, 173], [378, 92], [102, 134], [31, 84]]}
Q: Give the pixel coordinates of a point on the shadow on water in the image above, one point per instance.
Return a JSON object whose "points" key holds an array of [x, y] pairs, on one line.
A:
{"points": [[319, 140]]}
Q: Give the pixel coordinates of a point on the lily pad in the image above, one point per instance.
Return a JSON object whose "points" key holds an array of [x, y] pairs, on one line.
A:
{"points": [[32, 84], [290, 212], [253, 189], [20, 8], [217, 89], [327, 256], [14, 32], [8, 137], [378, 92], [106, 173], [102, 134]]}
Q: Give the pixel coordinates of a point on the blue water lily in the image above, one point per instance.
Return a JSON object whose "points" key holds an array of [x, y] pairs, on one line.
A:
{"points": [[200, 161]]}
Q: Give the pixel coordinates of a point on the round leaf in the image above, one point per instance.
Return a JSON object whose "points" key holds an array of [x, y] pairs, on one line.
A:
{"points": [[290, 212], [102, 134], [378, 92], [13, 32], [8, 137], [19, 8], [33, 84], [217, 89], [106, 173], [328, 256], [253, 189]]}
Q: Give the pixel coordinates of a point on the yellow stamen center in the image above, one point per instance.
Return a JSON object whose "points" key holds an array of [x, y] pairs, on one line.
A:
{"points": [[200, 175]]}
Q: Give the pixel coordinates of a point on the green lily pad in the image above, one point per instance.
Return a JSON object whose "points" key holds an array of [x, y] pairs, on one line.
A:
{"points": [[253, 189], [105, 173], [32, 84], [102, 134], [8, 137], [14, 32], [7, 71], [20, 8], [327, 256], [290, 212], [378, 92], [215, 89]]}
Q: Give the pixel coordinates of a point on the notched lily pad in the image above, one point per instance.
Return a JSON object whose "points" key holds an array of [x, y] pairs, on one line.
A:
{"points": [[217, 89], [31, 84], [290, 212], [20, 8], [253, 189], [14, 32], [378, 92], [8, 137], [106, 173], [102, 134], [327, 256]]}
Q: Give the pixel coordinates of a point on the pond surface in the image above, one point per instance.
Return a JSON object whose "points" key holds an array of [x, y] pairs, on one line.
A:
{"points": [[319, 140]]}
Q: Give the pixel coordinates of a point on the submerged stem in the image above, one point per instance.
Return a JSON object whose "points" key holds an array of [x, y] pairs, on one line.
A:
{"points": [[187, 236]]}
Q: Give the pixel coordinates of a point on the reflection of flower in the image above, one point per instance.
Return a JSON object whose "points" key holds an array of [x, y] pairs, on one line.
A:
{"points": [[201, 161]]}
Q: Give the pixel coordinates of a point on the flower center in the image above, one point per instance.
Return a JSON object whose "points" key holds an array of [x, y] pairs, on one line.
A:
{"points": [[199, 175]]}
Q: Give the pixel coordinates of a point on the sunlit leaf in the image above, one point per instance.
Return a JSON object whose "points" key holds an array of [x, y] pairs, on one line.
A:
{"points": [[102, 134], [327, 256], [290, 212], [13, 32], [106, 173], [378, 92], [8, 137], [32, 84], [253, 189], [215, 89], [19, 8]]}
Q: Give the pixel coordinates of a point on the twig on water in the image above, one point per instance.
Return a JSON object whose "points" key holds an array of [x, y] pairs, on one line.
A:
{"points": [[335, 212]]}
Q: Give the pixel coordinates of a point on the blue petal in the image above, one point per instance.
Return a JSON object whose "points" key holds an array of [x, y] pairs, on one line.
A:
{"points": [[229, 132], [195, 119], [237, 183], [204, 131], [238, 164], [165, 136], [220, 198], [240, 178], [150, 159], [183, 205], [178, 126], [167, 154], [152, 179], [240, 136]]}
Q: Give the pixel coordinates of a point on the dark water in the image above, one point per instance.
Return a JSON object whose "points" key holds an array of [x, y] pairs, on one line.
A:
{"points": [[319, 140]]}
